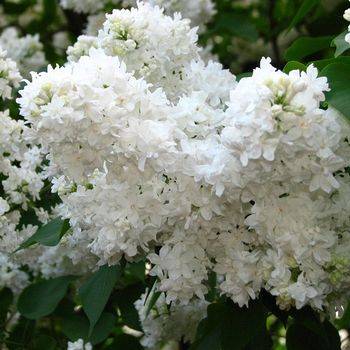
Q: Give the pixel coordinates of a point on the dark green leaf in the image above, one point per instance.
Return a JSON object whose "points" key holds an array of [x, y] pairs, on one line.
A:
{"points": [[339, 96], [304, 9], [40, 299], [96, 290], [306, 46], [213, 292], [6, 299], [244, 325], [229, 327], [135, 271], [125, 341], [332, 334], [76, 326], [340, 44], [237, 24], [269, 302], [124, 300], [321, 64], [64, 308], [151, 299], [307, 332], [300, 338], [294, 65], [48, 235], [243, 75], [103, 328]]}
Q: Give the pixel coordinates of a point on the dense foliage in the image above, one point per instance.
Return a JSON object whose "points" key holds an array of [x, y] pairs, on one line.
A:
{"points": [[164, 184]]}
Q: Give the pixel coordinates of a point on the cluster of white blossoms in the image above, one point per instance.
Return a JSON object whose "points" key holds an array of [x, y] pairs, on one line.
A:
{"points": [[87, 6], [30, 12], [155, 153], [26, 51], [9, 75], [20, 184], [165, 324], [154, 50], [246, 179], [200, 12]]}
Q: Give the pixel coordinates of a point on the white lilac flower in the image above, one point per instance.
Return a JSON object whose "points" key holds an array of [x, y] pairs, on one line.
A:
{"points": [[85, 6], [153, 46], [26, 51], [20, 184], [199, 12], [61, 41], [94, 24], [163, 325], [10, 274], [156, 154], [9, 75]]}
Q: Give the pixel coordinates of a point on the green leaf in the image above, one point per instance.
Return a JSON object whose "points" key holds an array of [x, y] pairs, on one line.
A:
{"points": [[321, 64], [103, 328], [41, 298], [125, 341], [240, 25], [307, 332], [48, 235], [338, 78], [77, 327], [213, 292], [294, 65], [124, 300], [96, 290], [270, 303], [300, 337], [304, 9], [244, 75], [230, 327], [6, 299], [306, 46], [152, 298], [135, 271], [340, 44], [332, 335]]}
